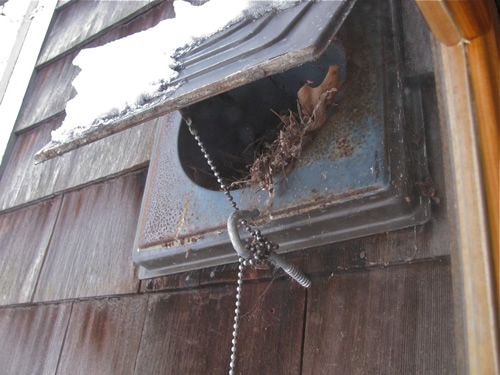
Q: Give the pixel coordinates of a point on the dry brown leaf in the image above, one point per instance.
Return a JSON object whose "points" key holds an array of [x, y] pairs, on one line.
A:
{"points": [[310, 96]]}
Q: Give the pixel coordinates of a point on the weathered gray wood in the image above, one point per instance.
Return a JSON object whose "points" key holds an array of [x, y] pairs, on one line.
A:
{"points": [[190, 332], [81, 20], [49, 90], [90, 253], [397, 320], [23, 181], [24, 239], [103, 336], [31, 338], [50, 87]]}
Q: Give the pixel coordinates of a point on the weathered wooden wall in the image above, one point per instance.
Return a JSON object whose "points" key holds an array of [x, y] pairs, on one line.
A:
{"points": [[70, 300]]}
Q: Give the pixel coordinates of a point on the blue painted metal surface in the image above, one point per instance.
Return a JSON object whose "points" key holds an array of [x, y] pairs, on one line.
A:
{"points": [[356, 178]]}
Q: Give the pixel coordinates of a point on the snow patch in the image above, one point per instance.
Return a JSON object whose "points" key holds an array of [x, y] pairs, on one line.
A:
{"points": [[131, 73]]}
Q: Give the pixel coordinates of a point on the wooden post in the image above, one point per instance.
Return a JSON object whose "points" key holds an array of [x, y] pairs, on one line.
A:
{"points": [[469, 50]]}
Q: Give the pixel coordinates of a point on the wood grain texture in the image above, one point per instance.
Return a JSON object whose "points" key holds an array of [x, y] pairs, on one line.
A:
{"points": [[91, 250], [48, 92], [23, 181], [477, 22], [397, 320], [190, 332], [440, 21], [472, 254], [32, 338], [484, 67], [50, 87], [103, 336], [82, 20], [24, 239], [470, 16]]}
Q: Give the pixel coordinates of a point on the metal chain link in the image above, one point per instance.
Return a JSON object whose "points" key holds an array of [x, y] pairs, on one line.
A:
{"points": [[232, 363], [260, 247]]}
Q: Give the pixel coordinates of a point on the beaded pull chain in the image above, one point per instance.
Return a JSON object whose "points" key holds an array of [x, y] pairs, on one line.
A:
{"points": [[259, 250]]}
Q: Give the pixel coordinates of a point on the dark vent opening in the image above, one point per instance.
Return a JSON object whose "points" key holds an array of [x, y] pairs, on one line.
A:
{"points": [[230, 124]]}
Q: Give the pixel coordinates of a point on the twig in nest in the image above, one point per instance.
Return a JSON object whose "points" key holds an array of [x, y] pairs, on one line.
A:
{"points": [[296, 132]]}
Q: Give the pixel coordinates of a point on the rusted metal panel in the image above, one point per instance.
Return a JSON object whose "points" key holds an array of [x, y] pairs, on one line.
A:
{"points": [[81, 20], [89, 253], [190, 332], [23, 181], [358, 176], [24, 239], [244, 53], [32, 338], [397, 320], [50, 87], [103, 336]]}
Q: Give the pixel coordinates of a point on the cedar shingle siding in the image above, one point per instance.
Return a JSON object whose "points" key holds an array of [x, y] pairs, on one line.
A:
{"points": [[71, 302]]}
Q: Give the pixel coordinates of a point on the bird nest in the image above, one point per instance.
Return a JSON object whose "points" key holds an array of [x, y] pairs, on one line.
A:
{"points": [[297, 129]]}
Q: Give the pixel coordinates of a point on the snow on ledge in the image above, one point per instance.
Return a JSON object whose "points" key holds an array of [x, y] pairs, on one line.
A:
{"points": [[133, 73]]}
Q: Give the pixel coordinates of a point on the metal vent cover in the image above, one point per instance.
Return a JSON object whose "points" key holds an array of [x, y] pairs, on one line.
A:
{"points": [[243, 53], [357, 178]]}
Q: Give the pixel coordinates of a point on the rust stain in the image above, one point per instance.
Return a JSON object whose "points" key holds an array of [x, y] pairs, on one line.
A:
{"points": [[312, 204], [307, 206], [184, 212], [78, 205], [93, 329]]}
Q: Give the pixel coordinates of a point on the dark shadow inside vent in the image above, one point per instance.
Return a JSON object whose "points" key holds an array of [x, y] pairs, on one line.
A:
{"points": [[231, 125]]}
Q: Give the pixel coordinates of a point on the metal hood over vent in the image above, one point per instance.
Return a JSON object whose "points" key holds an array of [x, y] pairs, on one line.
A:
{"points": [[360, 174], [243, 53]]}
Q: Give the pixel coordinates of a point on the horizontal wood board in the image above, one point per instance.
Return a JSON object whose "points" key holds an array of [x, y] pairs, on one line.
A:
{"points": [[394, 320], [24, 238], [103, 336], [397, 320], [91, 250], [190, 332], [32, 338], [82, 20], [23, 181], [50, 87]]}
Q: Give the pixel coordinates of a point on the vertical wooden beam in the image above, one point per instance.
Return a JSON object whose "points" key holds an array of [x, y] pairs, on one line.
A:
{"points": [[440, 21], [470, 92], [472, 260], [470, 17], [484, 70]]}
